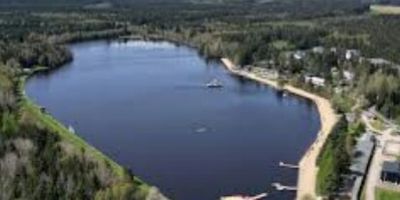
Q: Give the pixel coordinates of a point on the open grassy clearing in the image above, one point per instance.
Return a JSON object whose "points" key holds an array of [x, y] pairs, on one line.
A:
{"points": [[385, 9], [378, 124], [385, 194]]}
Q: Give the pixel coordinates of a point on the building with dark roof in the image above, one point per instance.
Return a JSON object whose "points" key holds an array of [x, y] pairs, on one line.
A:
{"points": [[362, 154], [391, 172], [361, 157]]}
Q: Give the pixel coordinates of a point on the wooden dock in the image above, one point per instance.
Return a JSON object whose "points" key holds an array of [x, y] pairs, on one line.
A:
{"points": [[282, 164], [241, 197], [281, 187]]}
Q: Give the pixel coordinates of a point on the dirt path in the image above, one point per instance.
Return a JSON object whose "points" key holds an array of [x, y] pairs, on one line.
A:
{"points": [[307, 165]]}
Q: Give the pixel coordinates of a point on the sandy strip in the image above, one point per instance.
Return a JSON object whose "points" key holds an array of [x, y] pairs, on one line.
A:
{"points": [[307, 165]]}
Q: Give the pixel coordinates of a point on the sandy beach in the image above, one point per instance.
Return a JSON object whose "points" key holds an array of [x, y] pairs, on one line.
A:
{"points": [[307, 165]]}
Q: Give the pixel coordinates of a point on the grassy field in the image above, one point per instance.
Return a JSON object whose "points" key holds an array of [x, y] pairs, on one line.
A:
{"points": [[384, 194], [282, 45], [378, 124], [326, 169], [385, 10], [333, 159]]}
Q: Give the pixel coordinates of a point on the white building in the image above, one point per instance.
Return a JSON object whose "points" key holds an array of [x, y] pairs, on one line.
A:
{"points": [[298, 55], [352, 53], [318, 49], [348, 75], [316, 81], [379, 61]]}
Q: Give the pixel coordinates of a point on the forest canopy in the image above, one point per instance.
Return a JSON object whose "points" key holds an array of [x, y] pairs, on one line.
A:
{"points": [[294, 38]]}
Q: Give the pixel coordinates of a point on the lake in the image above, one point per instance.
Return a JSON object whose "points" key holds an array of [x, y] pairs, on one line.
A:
{"points": [[145, 105]]}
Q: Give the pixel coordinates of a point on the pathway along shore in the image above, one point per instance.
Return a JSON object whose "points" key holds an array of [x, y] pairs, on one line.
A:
{"points": [[307, 165]]}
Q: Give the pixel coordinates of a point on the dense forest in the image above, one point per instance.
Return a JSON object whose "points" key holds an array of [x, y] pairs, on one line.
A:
{"points": [[39, 158], [294, 38]]}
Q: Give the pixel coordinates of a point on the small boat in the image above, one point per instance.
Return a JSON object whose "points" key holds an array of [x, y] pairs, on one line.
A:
{"points": [[201, 130], [215, 83]]}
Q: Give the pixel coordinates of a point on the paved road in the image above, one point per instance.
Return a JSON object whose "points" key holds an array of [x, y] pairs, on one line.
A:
{"points": [[372, 179], [374, 169]]}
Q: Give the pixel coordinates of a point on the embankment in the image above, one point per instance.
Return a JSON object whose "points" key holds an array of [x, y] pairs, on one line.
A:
{"points": [[49, 122]]}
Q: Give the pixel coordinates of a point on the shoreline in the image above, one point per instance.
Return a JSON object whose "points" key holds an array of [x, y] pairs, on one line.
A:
{"points": [[307, 173], [60, 129]]}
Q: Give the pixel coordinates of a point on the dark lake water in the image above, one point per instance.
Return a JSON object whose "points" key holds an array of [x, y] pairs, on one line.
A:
{"points": [[145, 105]]}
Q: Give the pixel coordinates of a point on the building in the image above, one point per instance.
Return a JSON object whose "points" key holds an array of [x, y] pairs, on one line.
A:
{"points": [[348, 75], [316, 81], [352, 54], [391, 172], [362, 153], [27, 70], [361, 157], [318, 50], [298, 55], [379, 61]]}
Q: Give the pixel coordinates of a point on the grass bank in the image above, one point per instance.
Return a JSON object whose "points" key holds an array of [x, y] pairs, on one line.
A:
{"points": [[29, 110], [333, 159]]}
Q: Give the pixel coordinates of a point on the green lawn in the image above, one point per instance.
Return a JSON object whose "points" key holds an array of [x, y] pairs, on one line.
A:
{"points": [[282, 45], [378, 124], [384, 194], [5, 82]]}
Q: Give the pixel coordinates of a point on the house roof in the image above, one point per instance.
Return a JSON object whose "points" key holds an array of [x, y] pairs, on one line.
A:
{"points": [[379, 61], [362, 153], [391, 166]]}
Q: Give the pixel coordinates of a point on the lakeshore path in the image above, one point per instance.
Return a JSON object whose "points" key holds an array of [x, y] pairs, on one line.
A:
{"points": [[307, 166]]}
